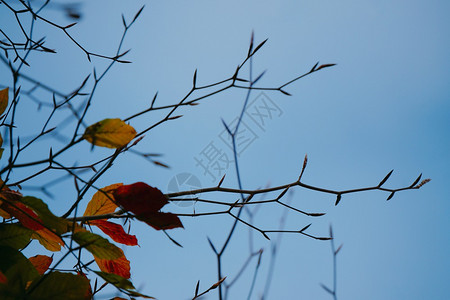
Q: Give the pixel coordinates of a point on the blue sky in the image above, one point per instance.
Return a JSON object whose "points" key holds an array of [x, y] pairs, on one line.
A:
{"points": [[384, 106]]}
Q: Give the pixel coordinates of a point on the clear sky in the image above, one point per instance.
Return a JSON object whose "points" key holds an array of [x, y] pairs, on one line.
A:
{"points": [[386, 105]]}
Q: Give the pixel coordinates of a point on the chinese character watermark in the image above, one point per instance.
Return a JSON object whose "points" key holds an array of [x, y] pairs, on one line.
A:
{"points": [[263, 110], [214, 159], [244, 137], [184, 182]]}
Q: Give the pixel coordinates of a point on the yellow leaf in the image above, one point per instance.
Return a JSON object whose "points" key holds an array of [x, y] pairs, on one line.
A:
{"points": [[110, 133], [100, 204], [3, 100]]}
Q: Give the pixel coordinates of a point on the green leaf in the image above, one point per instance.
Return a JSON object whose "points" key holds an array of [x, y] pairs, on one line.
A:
{"points": [[14, 235], [137, 294], [18, 271], [59, 225], [121, 283], [57, 285], [110, 133], [3, 100], [116, 280], [97, 245]]}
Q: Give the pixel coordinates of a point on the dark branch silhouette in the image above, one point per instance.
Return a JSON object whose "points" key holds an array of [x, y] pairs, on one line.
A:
{"points": [[62, 119]]}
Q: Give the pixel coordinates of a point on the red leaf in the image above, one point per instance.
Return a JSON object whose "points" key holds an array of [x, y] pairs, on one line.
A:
{"points": [[3, 278], [34, 215], [145, 202], [325, 66], [41, 263], [119, 266], [12, 207], [161, 220], [24, 214], [140, 198], [116, 232]]}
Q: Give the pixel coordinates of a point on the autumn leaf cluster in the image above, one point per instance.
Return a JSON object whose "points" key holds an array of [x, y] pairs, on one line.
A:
{"points": [[28, 218]]}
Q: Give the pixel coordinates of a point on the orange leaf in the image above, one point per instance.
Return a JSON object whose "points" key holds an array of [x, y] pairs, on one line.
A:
{"points": [[161, 221], [119, 266], [50, 240], [100, 204], [41, 263], [3, 100], [116, 232], [4, 214], [140, 198]]}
